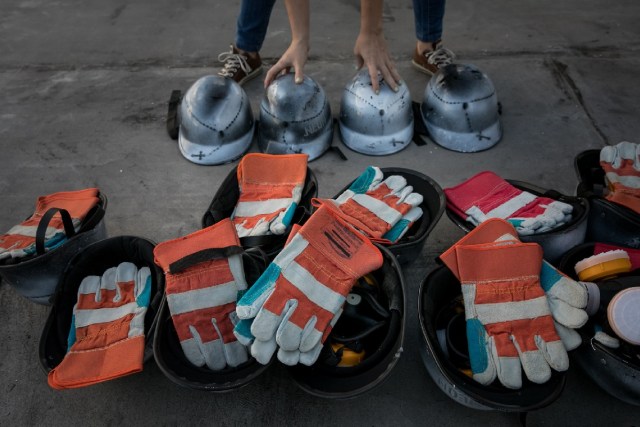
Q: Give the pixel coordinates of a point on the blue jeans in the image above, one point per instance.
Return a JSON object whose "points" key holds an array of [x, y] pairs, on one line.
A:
{"points": [[252, 24], [428, 15]]}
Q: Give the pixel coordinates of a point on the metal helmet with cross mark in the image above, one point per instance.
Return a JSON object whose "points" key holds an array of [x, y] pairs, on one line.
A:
{"points": [[460, 109], [295, 118], [216, 121], [375, 124]]}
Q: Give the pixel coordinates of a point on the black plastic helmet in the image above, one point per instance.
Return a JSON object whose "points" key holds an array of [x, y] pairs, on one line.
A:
{"points": [[95, 260], [608, 221], [445, 354], [371, 330], [36, 277], [227, 197], [615, 370], [176, 367], [410, 245], [557, 241]]}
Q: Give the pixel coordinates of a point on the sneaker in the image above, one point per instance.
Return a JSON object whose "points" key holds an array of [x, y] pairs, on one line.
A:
{"points": [[430, 61], [240, 66]]}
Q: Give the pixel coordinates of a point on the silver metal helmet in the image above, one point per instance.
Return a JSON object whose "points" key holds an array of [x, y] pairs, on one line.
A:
{"points": [[375, 124], [460, 109], [216, 121], [295, 118]]}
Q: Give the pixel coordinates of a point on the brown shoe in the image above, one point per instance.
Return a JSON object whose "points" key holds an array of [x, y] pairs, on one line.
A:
{"points": [[430, 61], [240, 66]]}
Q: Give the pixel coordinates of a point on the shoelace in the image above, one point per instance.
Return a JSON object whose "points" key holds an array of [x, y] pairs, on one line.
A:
{"points": [[441, 57], [231, 63]]}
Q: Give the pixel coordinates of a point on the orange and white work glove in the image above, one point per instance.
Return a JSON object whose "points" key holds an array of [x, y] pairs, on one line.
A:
{"points": [[20, 240], [621, 165], [270, 190], [567, 298], [204, 278], [383, 209], [509, 323], [106, 339], [300, 295]]}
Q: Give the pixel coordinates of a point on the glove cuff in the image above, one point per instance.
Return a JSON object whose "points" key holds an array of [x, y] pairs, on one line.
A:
{"points": [[493, 261], [219, 235], [83, 368]]}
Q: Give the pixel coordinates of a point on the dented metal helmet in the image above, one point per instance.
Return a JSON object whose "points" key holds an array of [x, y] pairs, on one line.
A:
{"points": [[375, 124], [295, 118], [216, 121], [460, 109]]}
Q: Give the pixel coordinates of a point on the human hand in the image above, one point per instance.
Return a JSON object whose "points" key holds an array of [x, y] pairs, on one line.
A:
{"points": [[295, 56], [371, 51]]}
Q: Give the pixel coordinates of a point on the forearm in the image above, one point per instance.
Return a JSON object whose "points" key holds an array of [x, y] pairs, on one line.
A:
{"points": [[371, 16], [371, 46], [297, 52], [298, 12]]}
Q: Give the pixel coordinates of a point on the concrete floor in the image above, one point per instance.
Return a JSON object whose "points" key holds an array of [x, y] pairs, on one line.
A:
{"points": [[84, 88]]}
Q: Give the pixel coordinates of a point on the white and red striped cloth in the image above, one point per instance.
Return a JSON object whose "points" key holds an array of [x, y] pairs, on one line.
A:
{"points": [[486, 195]]}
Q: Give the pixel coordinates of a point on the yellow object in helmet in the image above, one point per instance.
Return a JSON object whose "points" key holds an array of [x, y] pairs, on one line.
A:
{"points": [[467, 372], [603, 265], [349, 357]]}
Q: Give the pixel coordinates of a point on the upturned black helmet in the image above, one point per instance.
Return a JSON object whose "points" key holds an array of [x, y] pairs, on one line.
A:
{"points": [[366, 342], [36, 277], [615, 370], [445, 355], [94, 260], [409, 246], [554, 242], [226, 198], [608, 221], [173, 363]]}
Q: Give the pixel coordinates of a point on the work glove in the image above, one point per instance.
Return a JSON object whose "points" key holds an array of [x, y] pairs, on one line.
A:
{"points": [[486, 195], [383, 209], [106, 339], [295, 302], [621, 165], [270, 190], [204, 278], [19, 241], [509, 324], [567, 298], [292, 357]]}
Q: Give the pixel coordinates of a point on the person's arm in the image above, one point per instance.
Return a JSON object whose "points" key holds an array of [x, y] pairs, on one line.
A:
{"points": [[371, 47], [296, 55]]}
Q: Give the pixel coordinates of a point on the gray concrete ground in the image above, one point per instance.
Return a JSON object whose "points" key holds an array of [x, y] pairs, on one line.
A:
{"points": [[84, 87]]}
